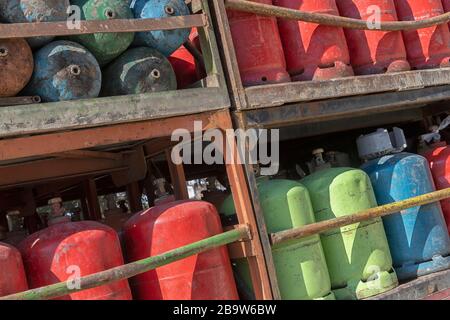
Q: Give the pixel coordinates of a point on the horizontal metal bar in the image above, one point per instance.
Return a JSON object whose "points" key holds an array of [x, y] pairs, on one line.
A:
{"points": [[279, 94], [343, 108], [134, 268], [381, 211], [64, 28], [15, 101]]}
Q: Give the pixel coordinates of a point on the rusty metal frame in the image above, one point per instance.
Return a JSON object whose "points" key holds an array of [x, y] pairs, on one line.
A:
{"points": [[272, 95], [315, 102], [209, 94], [70, 142]]}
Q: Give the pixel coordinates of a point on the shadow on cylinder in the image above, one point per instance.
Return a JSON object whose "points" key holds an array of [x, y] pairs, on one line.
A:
{"points": [[312, 51], [204, 276], [373, 51]]}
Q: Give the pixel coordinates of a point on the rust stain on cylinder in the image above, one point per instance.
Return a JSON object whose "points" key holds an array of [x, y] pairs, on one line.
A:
{"points": [[16, 66]]}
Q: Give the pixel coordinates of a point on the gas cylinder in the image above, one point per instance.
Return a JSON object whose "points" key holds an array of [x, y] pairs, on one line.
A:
{"points": [[418, 236], [185, 66], [374, 51], [104, 46], [139, 70], [312, 51], [63, 250], [12, 275], [429, 47], [357, 255], [64, 70], [439, 159], [204, 276], [19, 11], [258, 47], [165, 41], [446, 5], [16, 66], [300, 264]]}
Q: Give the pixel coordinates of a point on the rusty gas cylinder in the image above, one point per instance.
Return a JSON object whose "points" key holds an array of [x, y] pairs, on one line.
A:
{"points": [[16, 66]]}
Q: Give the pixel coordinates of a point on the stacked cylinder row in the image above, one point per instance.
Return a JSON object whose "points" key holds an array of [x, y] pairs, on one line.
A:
{"points": [[270, 51], [66, 251], [89, 65], [364, 259]]}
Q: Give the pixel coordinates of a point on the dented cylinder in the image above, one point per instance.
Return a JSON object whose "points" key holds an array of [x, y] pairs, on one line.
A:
{"points": [[16, 66]]}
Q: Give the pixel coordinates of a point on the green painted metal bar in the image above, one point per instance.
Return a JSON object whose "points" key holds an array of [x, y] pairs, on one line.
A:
{"points": [[368, 214], [60, 289]]}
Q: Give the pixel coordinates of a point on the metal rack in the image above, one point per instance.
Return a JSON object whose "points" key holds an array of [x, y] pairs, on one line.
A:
{"points": [[55, 146], [318, 107]]}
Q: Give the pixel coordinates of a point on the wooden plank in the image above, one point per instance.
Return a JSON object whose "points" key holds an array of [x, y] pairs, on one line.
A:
{"points": [[134, 197], [53, 169], [81, 154], [279, 94], [419, 288], [319, 111], [228, 54], [65, 115], [65, 28], [244, 210], [177, 178], [45, 144], [93, 205]]}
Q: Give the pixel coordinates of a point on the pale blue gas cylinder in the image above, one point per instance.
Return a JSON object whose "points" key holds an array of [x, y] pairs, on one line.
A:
{"points": [[165, 41], [418, 236]]}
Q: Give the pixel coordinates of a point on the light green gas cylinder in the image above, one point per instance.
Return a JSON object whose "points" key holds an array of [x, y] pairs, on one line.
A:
{"points": [[358, 256], [104, 46], [300, 264]]}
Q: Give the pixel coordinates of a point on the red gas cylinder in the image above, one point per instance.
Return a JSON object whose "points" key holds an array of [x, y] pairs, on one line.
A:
{"points": [[258, 47], [184, 64], [67, 250], [205, 276], [374, 52], [312, 51], [12, 273], [429, 47], [439, 159], [446, 5]]}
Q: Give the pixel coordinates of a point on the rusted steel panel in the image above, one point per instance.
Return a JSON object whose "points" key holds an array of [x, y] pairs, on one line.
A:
{"points": [[34, 29], [45, 144], [66, 115], [279, 94], [313, 112], [17, 101]]}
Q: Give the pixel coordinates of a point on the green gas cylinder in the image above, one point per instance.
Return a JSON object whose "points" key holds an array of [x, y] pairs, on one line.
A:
{"points": [[300, 264], [104, 46], [357, 255]]}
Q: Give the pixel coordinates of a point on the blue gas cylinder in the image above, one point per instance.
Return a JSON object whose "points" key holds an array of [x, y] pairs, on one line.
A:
{"points": [[65, 70], [165, 41], [417, 237], [139, 70], [19, 11]]}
